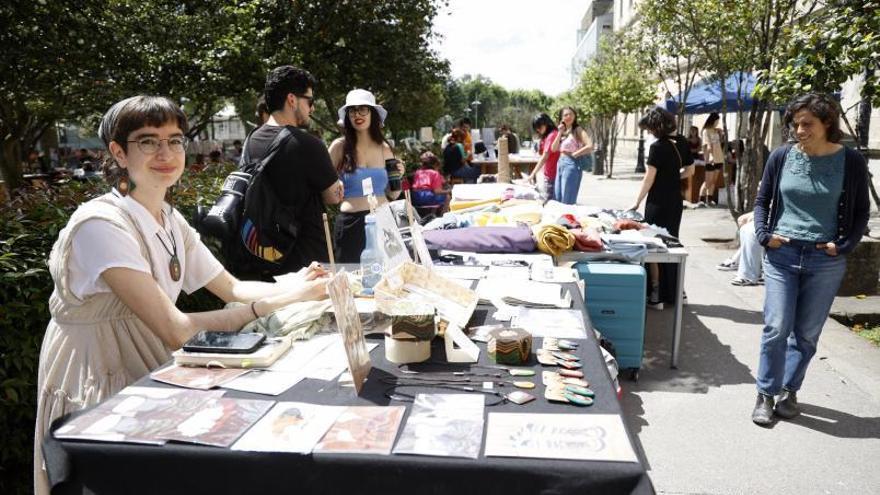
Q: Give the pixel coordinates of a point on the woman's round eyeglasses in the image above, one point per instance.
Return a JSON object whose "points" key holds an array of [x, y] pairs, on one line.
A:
{"points": [[150, 145], [361, 110]]}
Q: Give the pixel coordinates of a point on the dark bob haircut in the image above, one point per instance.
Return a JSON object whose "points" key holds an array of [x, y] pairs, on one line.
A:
{"points": [[546, 121], [131, 114], [658, 122], [283, 81], [820, 105]]}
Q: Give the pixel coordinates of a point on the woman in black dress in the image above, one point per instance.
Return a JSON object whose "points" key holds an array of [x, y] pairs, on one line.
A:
{"points": [[669, 161]]}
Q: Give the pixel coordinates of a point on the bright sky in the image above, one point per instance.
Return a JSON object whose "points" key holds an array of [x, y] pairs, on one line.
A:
{"points": [[519, 44]]}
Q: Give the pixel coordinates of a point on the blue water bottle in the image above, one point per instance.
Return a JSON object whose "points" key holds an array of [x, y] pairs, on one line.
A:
{"points": [[371, 257]]}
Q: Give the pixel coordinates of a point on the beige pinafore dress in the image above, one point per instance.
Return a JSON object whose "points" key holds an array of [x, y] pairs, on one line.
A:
{"points": [[93, 347]]}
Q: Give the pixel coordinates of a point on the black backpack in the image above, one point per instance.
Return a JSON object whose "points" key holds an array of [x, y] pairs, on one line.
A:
{"points": [[257, 231]]}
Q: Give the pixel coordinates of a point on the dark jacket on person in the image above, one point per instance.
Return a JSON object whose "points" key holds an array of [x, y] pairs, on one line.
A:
{"points": [[852, 208]]}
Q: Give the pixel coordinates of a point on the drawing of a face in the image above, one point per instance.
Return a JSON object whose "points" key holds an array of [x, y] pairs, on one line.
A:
{"points": [[392, 249]]}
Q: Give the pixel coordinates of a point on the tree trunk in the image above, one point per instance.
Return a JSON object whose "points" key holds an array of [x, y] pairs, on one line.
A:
{"points": [[612, 146], [10, 165]]}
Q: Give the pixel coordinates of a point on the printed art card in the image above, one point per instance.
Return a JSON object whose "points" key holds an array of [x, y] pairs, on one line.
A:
{"points": [[197, 377], [349, 322], [587, 437], [444, 425], [136, 417], [220, 423], [363, 430], [289, 427]]}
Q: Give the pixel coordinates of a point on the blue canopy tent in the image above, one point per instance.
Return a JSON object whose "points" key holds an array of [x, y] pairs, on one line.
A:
{"points": [[705, 96]]}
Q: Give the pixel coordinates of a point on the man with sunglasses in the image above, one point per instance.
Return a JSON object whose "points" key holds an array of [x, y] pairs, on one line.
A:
{"points": [[302, 174]]}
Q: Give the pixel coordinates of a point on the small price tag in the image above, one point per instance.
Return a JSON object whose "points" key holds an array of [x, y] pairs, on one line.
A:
{"points": [[367, 186]]}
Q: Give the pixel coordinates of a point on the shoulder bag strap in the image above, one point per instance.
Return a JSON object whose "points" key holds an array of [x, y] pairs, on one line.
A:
{"points": [[677, 153], [276, 145]]}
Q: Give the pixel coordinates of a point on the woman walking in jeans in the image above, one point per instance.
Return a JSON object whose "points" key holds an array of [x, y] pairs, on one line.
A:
{"points": [[576, 148], [811, 210]]}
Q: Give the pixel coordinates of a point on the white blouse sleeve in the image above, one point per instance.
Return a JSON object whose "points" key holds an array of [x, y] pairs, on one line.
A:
{"points": [[201, 265], [96, 246]]}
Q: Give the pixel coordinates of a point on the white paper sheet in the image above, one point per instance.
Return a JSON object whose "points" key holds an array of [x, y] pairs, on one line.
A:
{"points": [[264, 382], [523, 292], [460, 272], [330, 362], [289, 427], [593, 437], [560, 323], [302, 352]]}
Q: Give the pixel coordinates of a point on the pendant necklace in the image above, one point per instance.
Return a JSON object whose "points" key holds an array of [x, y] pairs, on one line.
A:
{"points": [[174, 264]]}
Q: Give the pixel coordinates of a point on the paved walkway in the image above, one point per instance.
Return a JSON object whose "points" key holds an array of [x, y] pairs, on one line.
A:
{"points": [[694, 423]]}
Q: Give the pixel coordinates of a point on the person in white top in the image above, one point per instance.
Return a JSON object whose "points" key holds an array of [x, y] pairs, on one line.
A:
{"points": [[713, 154], [119, 265]]}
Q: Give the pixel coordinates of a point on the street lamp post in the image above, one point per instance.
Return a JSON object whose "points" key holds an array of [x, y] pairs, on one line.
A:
{"points": [[476, 104], [640, 157]]}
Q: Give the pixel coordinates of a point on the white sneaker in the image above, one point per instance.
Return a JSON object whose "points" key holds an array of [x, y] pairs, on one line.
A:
{"points": [[656, 305], [727, 265], [654, 301]]}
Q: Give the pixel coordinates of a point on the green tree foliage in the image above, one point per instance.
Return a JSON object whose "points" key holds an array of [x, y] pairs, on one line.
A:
{"points": [[839, 42], [611, 84], [747, 36], [498, 105], [55, 65], [71, 60], [657, 41], [379, 45]]}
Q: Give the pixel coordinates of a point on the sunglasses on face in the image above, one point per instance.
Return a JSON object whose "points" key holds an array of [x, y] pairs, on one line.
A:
{"points": [[150, 145], [311, 99], [361, 110]]}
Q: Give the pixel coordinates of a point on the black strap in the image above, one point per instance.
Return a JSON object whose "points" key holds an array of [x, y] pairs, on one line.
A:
{"points": [[276, 145]]}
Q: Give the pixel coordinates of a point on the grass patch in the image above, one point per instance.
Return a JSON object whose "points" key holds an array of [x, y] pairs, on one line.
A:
{"points": [[872, 333]]}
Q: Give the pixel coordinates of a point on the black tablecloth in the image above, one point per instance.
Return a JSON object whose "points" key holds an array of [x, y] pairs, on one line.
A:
{"points": [[104, 468]]}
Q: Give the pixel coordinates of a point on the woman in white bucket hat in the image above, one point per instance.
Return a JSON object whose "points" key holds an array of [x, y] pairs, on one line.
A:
{"points": [[362, 153]]}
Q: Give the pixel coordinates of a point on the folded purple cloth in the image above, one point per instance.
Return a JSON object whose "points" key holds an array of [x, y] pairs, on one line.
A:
{"points": [[482, 239]]}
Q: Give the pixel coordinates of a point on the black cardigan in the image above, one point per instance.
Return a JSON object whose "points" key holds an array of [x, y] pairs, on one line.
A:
{"points": [[852, 210]]}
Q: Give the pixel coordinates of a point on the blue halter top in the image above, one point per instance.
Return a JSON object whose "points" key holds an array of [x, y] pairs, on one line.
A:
{"points": [[353, 181]]}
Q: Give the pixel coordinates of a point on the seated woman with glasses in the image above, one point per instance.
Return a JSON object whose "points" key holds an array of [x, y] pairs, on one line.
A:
{"points": [[361, 155], [119, 265]]}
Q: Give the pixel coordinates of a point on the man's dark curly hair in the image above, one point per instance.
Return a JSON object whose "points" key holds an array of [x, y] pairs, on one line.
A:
{"points": [[284, 80]]}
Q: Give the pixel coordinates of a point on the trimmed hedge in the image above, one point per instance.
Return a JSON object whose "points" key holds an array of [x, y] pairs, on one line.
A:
{"points": [[29, 226]]}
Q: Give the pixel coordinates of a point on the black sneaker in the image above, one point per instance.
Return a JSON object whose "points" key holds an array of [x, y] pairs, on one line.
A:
{"points": [[787, 406], [762, 415]]}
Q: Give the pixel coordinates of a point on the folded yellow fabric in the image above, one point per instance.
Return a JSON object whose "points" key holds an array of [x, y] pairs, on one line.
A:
{"points": [[456, 205], [553, 239]]}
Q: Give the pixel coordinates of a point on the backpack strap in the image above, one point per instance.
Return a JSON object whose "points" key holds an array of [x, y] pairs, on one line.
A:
{"points": [[276, 145]]}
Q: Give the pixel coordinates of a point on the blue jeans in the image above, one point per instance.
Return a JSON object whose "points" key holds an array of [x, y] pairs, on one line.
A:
{"points": [[568, 180], [751, 253], [800, 284], [469, 173]]}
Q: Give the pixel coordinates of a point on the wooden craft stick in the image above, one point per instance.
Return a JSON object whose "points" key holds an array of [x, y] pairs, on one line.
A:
{"points": [[329, 243]]}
